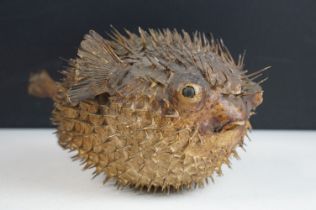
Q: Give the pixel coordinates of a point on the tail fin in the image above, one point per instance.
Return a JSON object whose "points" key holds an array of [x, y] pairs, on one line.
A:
{"points": [[42, 85]]}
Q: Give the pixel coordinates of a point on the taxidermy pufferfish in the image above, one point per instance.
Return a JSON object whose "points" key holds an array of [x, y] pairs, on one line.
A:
{"points": [[155, 110]]}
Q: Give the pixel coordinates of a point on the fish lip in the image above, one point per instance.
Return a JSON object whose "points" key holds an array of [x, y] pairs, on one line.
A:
{"points": [[239, 122]]}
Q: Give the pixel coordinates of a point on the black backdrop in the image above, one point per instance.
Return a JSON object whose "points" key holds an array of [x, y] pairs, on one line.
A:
{"points": [[281, 33]]}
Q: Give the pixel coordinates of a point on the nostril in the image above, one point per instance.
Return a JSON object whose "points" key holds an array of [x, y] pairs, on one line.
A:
{"points": [[257, 99]]}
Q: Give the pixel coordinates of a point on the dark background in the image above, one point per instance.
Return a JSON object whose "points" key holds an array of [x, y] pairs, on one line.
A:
{"points": [[282, 33]]}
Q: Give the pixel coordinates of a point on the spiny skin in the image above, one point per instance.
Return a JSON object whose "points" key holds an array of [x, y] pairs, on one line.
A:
{"points": [[157, 110]]}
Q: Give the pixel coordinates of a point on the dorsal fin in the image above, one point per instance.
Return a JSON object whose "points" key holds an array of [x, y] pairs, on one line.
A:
{"points": [[95, 63]]}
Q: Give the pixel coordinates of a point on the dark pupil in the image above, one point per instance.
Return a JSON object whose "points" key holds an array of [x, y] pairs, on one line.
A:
{"points": [[188, 91]]}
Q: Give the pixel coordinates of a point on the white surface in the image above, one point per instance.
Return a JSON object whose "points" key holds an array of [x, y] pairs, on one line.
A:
{"points": [[277, 172]]}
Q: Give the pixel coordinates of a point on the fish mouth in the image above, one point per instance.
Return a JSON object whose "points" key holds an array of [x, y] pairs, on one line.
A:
{"points": [[215, 126], [230, 125]]}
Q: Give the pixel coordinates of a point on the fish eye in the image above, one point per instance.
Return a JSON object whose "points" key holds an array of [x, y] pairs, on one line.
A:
{"points": [[188, 91]]}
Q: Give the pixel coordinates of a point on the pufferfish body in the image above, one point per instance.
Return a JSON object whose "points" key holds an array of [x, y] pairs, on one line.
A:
{"points": [[156, 110]]}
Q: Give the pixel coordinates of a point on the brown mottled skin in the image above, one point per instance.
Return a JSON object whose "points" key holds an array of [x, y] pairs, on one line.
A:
{"points": [[159, 110]]}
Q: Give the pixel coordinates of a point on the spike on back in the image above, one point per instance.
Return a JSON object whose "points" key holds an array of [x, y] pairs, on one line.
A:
{"points": [[99, 60]]}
